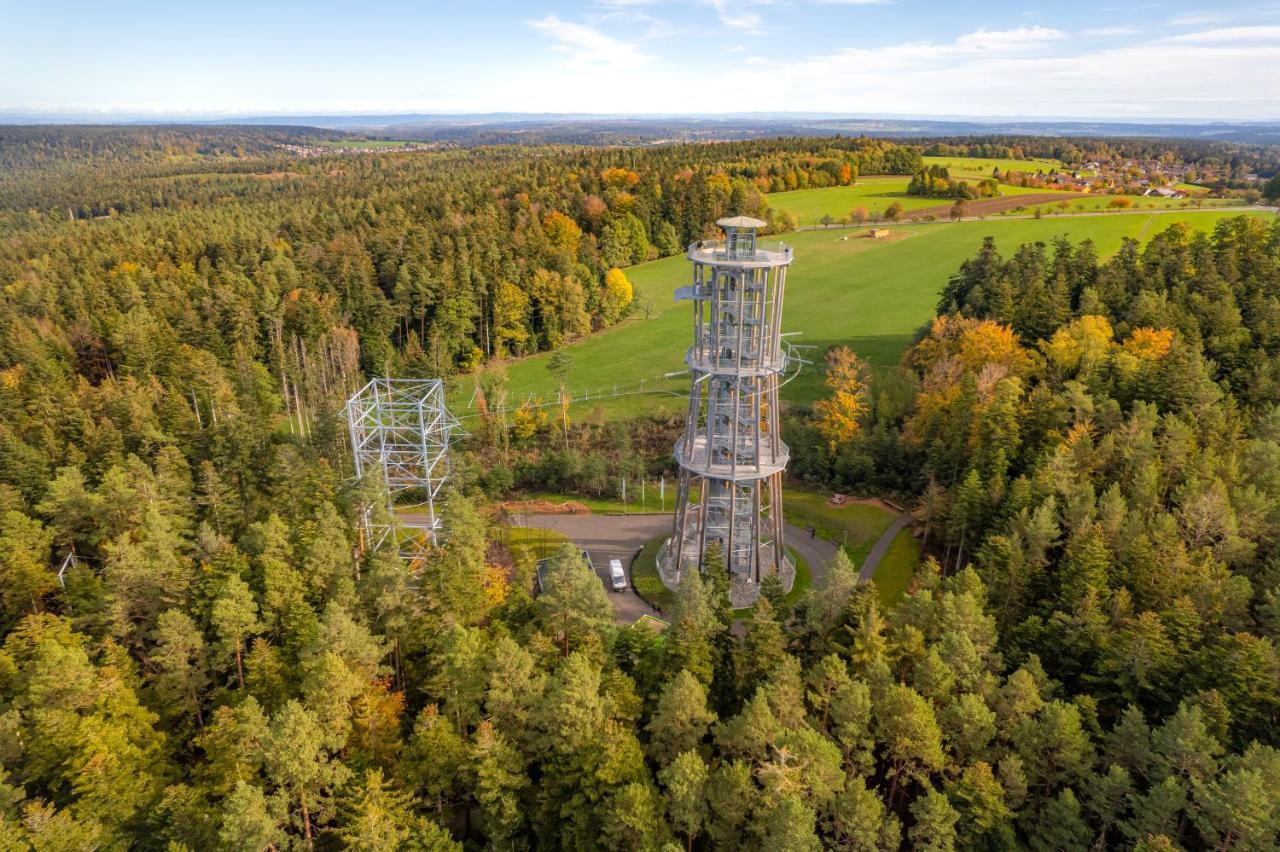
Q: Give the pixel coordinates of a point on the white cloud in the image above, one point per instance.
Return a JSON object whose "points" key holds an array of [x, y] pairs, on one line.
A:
{"points": [[736, 15], [1109, 32], [1229, 35], [588, 46], [1210, 74], [854, 2], [1199, 19], [1005, 41]]}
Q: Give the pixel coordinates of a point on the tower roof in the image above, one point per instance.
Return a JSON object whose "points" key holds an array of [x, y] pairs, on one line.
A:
{"points": [[740, 222]]}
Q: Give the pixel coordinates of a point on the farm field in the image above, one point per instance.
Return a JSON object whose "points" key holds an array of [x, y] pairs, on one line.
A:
{"points": [[1102, 203], [874, 194], [870, 295], [982, 166]]}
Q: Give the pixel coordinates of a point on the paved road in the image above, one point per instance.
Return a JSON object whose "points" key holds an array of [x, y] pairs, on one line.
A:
{"points": [[881, 547], [608, 537]]}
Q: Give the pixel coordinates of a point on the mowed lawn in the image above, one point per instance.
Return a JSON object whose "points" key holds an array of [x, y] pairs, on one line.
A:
{"points": [[871, 295]]}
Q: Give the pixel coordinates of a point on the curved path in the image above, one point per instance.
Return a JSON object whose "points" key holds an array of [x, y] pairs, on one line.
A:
{"points": [[608, 537], [881, 547]]}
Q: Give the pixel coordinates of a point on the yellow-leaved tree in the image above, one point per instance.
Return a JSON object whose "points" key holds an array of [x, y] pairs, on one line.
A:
{"points": [[840, 415], [615, 296], [1081, 346]]}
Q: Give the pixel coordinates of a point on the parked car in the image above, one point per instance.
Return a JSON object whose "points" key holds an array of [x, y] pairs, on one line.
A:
{"points": [[618, 576]]}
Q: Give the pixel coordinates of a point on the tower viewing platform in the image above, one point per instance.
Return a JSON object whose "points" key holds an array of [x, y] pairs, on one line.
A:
{"points": [[731, 456]]}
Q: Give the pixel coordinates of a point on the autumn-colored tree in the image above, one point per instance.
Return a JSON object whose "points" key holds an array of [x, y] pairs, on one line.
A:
{"points": [[840, 416], [615, 295]]}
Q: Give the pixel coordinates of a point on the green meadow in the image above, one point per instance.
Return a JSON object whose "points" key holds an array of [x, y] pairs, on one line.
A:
{"points": [[983, 166], [1103, 203], [871, 295], [874, 194]]}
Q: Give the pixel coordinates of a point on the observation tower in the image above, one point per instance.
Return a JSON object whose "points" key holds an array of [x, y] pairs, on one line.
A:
{"points": [[731, 455], [400, 432]]}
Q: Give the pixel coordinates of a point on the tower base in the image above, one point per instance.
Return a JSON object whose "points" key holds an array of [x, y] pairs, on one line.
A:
{"points": [[743, 590]]}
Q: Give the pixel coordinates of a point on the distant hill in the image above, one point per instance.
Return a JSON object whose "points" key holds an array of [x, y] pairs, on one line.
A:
{"points": [[584, 128]]}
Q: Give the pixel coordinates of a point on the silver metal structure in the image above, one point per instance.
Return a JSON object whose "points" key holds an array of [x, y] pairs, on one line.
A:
{"points": [[400, 431], [731, 455]]}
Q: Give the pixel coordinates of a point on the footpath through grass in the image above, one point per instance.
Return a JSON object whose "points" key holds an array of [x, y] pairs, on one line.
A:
{"points": [[870, 295], [857, 527]]}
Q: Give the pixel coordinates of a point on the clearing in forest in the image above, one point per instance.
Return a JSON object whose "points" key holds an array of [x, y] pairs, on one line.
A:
{"points": [[871, 295]]}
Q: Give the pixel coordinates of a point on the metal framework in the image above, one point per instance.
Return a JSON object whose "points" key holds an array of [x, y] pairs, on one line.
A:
{"points": [[400, 432], [731, 455]]}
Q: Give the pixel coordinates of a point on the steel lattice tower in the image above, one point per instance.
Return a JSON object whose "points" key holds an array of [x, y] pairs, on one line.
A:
{"points": [[731, 455], [400, 431]]}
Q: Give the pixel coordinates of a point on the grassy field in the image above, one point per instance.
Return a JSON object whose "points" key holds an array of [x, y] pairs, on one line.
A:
{"points": [[1103, 204], [871, 295], [874, 194], [856, 525], [983, 166], [639, 500]]}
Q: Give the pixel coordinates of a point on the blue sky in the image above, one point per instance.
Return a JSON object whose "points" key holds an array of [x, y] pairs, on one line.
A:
{"points": [[904, 57]]}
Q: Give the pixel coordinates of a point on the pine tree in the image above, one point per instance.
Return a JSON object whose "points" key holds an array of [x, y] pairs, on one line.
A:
{"points": [[373, 816], [252, 820], [935, 823], [857, 819], [985, 818], [182, 674], [681, 719], [298, 762], [235, 619], [573, 605], [789, 827], [685, 780], [500, 781], [906, 725], [763, 647]]}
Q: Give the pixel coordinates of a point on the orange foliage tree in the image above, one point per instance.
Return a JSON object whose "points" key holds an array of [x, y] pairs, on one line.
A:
{"points": [[840, 415]]}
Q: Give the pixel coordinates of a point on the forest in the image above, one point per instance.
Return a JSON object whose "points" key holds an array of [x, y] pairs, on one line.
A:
{"points": [[197, 654], [936, 182]]}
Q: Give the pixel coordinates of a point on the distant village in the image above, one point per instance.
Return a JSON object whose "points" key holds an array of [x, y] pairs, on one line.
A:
{"points": [[316, 150], [1129, 177]]}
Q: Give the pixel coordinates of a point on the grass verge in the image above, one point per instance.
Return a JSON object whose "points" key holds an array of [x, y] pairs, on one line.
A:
{"points": [[896, 569], [606, 505], [645, 579], [649, 586], [534, 542], [855, 525]]}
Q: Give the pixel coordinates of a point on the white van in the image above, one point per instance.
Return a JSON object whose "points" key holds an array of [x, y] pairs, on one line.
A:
{"points": [[618, 576]]}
